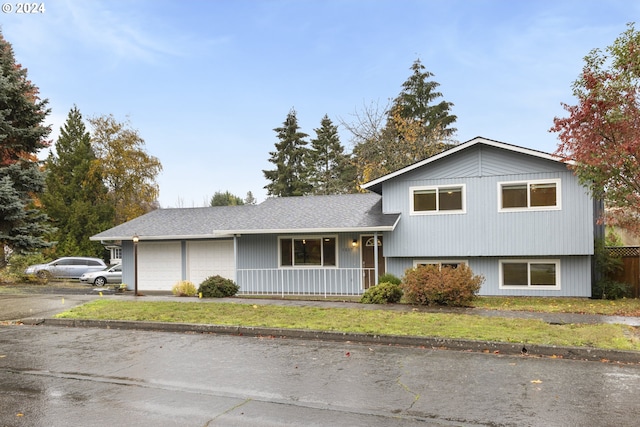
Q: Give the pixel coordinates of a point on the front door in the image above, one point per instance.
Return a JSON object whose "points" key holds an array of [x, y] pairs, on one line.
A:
{"points": [[368, 260]]}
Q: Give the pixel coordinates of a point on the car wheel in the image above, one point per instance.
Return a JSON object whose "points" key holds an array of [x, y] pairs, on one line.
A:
{"points": [[43, 274], [100, 281]]}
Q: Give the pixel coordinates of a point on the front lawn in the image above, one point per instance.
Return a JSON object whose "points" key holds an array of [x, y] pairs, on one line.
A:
{"points": [[382, 322]]}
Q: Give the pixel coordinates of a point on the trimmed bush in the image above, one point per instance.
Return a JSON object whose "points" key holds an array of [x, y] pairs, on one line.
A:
{"points": [[218, 287], [184, 288], [435, 285], [389, 278], [382, 293]]}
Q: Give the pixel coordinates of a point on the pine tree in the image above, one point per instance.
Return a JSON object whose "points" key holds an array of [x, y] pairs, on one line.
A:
{"points": [[416, 128], [226, 199], [331, 170], [22, 135], [415, 103], [250, 200], [76, 198], [289, 178]]}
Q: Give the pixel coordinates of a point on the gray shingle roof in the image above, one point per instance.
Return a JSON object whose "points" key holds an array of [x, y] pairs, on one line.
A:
{"points": [[334, 213]]}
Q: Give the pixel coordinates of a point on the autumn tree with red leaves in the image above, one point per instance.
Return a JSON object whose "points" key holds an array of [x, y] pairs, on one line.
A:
{"points": [[601, 135]]}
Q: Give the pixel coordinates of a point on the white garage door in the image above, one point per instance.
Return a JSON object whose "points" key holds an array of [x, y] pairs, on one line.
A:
{"points": [[210, 258], [159, 265]]}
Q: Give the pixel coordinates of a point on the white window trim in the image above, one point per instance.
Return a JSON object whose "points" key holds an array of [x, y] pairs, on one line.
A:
{"points": [[530, 261], [463, 188], [557, 207], [439, 262], [324, 236]]}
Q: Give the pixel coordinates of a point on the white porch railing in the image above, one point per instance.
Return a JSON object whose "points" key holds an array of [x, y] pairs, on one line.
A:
{"points": [[304, 281]]}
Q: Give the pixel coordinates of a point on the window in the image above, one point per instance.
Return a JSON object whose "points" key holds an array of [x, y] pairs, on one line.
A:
{"points": [[116, 253], [541, 274], [440, 264], [314, 251], [529, 195], [444, 199]]}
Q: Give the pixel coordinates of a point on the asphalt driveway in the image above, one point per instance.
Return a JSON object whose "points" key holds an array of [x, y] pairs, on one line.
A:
{"points": [[17, 307]]}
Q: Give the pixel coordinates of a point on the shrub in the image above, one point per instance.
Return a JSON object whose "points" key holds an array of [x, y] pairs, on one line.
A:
{"points": [[432, 285], [184, 288], [611, 289], [17, 263], [389, 278], [218, 287], [382, 293]]}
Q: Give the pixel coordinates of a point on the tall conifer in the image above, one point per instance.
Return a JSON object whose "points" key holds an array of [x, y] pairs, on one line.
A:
{"points": [[76, 198], [22, 135], [290, 177], [331, 170]]}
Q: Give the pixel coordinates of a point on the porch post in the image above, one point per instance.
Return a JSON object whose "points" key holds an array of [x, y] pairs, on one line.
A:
{"points": [[375, 257], [235, 258]]}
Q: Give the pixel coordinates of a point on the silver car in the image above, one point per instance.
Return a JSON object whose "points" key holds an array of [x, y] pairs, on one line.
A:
{"points": [[101, 278], [66, 268]]}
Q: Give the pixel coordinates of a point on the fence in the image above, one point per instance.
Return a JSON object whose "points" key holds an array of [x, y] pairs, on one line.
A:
{"points": [[630, 272], [304, 281]]}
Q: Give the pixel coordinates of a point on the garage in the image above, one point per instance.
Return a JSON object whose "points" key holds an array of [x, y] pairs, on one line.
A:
{"points": [[210, 258], [159, 265]]}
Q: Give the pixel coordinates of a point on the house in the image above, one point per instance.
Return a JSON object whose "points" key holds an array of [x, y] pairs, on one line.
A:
{"points": [[517, 216]]}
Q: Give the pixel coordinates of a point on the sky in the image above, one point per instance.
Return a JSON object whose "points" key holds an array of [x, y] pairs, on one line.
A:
{"points": [[205, 82]]}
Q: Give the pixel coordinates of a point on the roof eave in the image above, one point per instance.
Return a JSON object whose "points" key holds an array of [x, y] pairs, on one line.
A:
{"points": [[376, 183], [310, 230], [162, 237]]}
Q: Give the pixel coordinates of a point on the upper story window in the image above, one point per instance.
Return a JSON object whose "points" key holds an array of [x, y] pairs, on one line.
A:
{"points": [[438, 199], [529, 195], [305, 252]]}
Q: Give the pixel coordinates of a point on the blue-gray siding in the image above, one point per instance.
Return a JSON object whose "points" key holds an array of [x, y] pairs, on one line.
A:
{"points": [[258, 269], [575, 275], [128, 264], [483, 230], [261, 251]]}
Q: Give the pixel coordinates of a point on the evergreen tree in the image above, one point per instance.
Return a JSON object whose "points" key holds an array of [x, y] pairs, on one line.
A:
{"points": [[416, 128], [76, 198], [289, 178], [250, 200], [22, 134], [331, 170], [415, 104], [226, 199]]}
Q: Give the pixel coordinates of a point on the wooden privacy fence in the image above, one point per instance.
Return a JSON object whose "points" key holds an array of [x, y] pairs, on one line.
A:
{"points": [[630, 272]]}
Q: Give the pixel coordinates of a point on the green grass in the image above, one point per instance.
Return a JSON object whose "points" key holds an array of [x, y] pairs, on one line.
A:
{"points": [[621, 307], [382, 322]]}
